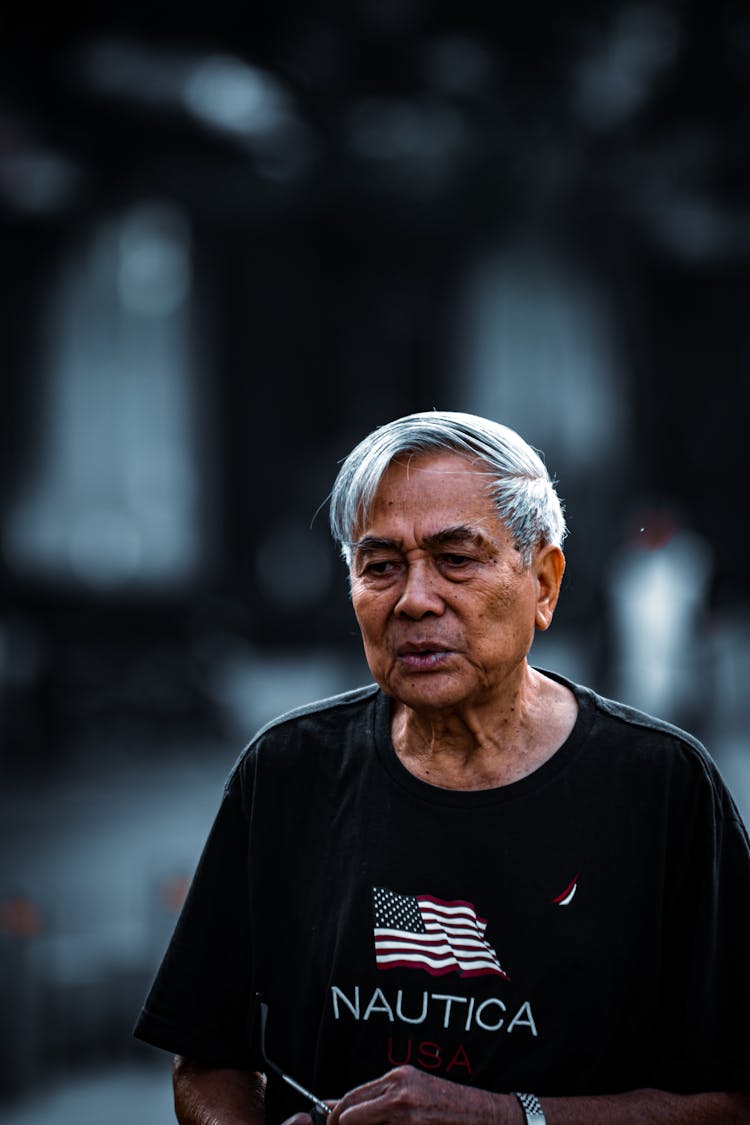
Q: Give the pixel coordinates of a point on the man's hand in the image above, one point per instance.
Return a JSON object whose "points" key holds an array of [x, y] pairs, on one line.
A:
{"points": [[406, 1096]]}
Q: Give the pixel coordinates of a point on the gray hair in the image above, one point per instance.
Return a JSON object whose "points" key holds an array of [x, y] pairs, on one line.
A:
{"points": [[520, 486]]}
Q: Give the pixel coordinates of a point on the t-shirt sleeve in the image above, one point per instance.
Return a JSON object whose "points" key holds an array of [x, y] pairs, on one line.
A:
{"points": [[706, 1036], [198, 1004]]}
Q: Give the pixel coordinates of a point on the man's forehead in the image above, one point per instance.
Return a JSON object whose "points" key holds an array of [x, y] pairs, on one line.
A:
{"points": [[437, 480], [434, 495]]}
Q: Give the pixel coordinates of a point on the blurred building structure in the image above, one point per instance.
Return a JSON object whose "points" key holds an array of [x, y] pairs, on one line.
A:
{"points": [[231, 246]]}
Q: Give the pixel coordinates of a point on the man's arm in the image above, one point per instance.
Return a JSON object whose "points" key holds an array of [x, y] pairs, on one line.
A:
{"points": [[206, 1095], [406, 1095], [650, 1107]]}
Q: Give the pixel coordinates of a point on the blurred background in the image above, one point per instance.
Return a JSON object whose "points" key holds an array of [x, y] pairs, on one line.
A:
{"points": [[232, 243]]}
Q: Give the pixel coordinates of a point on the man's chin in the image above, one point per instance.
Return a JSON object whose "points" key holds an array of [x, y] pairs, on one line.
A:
{"points": [[427, 691]]}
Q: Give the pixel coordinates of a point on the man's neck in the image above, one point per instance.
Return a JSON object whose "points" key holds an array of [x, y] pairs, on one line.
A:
{"points": [[487, 745]]}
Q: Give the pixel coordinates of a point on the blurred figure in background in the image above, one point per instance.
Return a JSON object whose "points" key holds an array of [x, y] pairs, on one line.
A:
{"points": [[575, 869], [657, 588]]}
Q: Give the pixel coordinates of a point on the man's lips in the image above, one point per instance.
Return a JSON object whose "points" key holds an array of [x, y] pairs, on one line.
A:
{"points": [[429, 654], [406, 648]]}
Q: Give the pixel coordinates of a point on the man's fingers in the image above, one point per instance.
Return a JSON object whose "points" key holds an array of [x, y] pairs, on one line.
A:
{"points": [[374, 1101], [363, 1095]]}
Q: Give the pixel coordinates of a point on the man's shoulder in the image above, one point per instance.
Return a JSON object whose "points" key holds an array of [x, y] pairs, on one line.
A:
{"points": [[336, 720], [613, 718], [645, 725], [333, 711]]}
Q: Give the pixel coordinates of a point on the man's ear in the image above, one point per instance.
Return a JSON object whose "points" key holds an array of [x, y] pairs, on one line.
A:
{"points": [[548, 566]]}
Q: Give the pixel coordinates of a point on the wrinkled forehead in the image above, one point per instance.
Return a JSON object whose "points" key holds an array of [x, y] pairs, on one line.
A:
{"points": [[422, 469], [434, 490]]}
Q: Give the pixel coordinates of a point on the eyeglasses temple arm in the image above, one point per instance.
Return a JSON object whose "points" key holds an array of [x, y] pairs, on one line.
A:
{"points": [[326, 1109]]}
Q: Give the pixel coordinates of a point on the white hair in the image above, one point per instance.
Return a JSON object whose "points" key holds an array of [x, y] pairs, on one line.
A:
{"points": [[520, 486]]}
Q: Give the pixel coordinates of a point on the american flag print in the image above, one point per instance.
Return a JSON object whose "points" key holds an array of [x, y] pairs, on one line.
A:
{"points": [[438, 937]]}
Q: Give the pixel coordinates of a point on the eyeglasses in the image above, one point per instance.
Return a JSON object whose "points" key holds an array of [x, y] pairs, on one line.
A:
{"points": [[320, 1110]]}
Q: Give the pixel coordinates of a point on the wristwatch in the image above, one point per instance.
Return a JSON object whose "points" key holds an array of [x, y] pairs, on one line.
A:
{"points": [[532, 1109]]}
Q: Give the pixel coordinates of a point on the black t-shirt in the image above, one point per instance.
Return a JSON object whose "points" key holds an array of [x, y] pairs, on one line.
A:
{"points": [[582, 930]]}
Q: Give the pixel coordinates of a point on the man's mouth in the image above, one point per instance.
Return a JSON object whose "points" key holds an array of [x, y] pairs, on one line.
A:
{"points": [[422, 656]]}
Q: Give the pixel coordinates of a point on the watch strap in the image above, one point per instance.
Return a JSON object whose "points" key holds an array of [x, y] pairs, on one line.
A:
{"points": [[532, 1109]]}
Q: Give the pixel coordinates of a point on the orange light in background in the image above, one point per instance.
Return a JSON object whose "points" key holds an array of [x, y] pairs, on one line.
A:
{"points": [[20, 918], [173, 892]]}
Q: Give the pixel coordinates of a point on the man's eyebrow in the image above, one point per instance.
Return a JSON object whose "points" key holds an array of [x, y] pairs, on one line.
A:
{"points": [[446, 537], [373, 543], [456, 536]]}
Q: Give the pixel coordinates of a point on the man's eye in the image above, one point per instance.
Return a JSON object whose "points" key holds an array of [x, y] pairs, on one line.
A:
{"points": [[456, 560], [380, 567]]}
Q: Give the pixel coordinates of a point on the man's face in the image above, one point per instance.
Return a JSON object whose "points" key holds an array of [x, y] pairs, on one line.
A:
{"points": [[446, 609]]}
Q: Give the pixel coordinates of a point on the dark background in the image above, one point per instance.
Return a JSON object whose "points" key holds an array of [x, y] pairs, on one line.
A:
{"points": [[232, 241]]}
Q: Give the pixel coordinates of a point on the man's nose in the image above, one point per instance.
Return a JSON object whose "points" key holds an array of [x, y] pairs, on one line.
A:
{"points": [[420, 595]]}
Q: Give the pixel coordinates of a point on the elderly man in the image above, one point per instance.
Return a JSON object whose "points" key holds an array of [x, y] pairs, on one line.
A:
{"points": [[472, 891]]}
